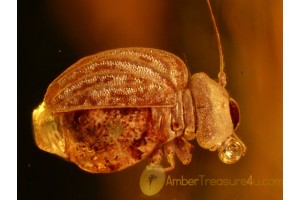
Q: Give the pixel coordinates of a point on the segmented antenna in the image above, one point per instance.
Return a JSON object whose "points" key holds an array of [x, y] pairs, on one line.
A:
{"points": [[221, 75]]}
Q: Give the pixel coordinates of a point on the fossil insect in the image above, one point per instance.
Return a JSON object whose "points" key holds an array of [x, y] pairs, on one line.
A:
{"points": [[113, 109]]}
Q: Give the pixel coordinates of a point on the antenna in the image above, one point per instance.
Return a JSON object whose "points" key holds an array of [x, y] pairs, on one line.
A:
{"points": [[221, 75]]}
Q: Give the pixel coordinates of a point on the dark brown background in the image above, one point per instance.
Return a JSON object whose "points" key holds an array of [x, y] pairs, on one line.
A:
{"points": [[53, 34]]}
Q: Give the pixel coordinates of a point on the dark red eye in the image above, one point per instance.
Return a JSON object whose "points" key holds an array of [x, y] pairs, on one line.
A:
{"points": [[234, 112]]}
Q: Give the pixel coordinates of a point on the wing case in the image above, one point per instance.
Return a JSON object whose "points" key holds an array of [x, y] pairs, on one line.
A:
{"points": [[128, 77]]}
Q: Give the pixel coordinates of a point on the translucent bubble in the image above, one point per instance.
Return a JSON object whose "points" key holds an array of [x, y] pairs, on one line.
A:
{"points": [[152, 179], [231, 152]]}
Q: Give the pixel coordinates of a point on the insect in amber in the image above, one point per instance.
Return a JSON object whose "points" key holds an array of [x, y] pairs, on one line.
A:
{"points": [[113, 109]]}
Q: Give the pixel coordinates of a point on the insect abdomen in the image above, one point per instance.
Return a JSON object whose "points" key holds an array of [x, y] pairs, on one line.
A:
{"points": [[107, 140]]}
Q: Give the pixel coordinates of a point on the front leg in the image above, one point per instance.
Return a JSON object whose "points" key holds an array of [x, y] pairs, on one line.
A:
{"points": [[157, 156], [183, 150], [180, 146], [177, 121], [169, 123], [189, 115]]}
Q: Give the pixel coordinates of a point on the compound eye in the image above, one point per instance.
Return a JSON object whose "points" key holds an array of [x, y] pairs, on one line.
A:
{"points": [[232, 151], [235, 113]]}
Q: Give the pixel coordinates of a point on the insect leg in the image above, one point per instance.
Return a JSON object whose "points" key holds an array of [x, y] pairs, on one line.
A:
{"points": [[163, 117], [177, 123], [169, 148], [189, 115], [183, 150], [156, 157]]}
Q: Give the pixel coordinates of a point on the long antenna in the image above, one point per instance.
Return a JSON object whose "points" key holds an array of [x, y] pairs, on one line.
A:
{"points": [[221, 75]]}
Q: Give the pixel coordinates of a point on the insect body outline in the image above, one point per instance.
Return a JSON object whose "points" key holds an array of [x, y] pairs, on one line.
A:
{"points": [[113, 109]]}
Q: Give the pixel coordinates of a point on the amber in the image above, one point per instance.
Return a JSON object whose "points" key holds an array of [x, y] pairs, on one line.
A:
{"points": [[110, 110], [113, 109]]}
